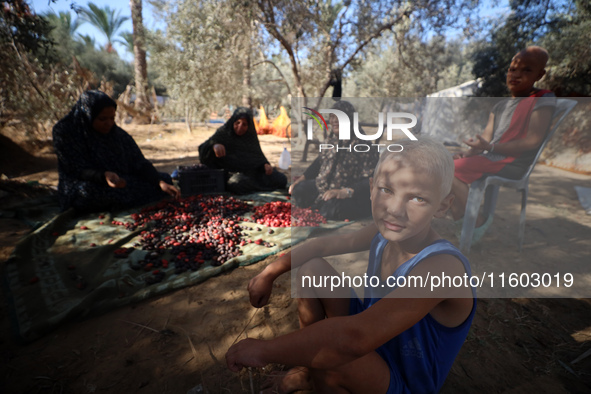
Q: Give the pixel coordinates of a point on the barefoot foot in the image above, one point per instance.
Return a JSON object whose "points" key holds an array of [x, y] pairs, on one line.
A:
{"points": [[295, 379]]}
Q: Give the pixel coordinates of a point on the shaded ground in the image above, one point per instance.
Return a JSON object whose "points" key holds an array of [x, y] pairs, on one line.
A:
{"points": [[177, 342]]}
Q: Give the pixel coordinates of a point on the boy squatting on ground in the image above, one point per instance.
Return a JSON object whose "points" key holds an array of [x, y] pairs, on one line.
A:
{"points": [[363, 346]]}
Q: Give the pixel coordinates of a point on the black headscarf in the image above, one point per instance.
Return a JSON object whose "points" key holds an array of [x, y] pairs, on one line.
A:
{"points": [[243, 153], [87, 108], [86, 154]]}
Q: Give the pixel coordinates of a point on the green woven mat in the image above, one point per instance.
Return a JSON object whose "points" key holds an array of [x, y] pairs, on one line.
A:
{"points": [[67, 268]]}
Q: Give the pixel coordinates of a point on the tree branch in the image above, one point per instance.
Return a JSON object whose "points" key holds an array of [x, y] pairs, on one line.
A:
{"points": [[28, 72], [278, 70], [271, 26], [375, 35]]}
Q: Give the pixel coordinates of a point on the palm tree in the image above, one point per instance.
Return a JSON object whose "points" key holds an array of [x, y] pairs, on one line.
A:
{"points": [[64, 22], [105, 19], [87, 40], [63, 33], [126, 41], [139, 49]]}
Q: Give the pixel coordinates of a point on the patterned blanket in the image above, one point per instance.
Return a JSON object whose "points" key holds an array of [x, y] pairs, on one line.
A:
{"points": [[76, 266]]}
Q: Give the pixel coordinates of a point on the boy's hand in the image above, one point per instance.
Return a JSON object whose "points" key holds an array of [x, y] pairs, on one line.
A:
{"points": [[259, 289], [468, 153], [246, 353], [478, 143], [477, 146]]}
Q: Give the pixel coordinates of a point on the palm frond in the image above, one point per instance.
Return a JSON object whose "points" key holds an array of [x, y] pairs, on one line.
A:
{"points": [[107, 20]]}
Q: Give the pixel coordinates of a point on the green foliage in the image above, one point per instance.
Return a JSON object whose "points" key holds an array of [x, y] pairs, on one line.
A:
{"points": [[126, 41], [19, 26], [271, 85], [38, 84], [569, 70], [210, 48], [106, 65], [325, 38], [105, 19], [200, 56], [64, 22], [563, 28], [88, 41], [418, 69], [35, 91], [63, 31]]}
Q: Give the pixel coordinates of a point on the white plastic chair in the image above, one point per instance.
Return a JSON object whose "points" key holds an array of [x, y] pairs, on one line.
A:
{"points": [[489, 186]]}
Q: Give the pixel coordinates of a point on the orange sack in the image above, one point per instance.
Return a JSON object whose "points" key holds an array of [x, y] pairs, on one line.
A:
{"points": [[263, 126], [281, 126]]}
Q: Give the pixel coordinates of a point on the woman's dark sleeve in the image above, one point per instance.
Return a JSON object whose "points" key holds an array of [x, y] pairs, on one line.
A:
{"points": [[313, 170], [148, 172], [73, 157], [258, 160], [261, 168], [361, 189], [95, 176], [206, 153], [143, 167]]}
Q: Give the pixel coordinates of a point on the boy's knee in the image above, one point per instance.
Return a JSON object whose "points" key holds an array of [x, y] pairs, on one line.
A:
{"points": [[310, 277], [312, 267]]}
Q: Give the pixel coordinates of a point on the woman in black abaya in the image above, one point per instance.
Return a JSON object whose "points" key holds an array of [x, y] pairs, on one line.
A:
{"points": [[100, 166], [235, 148]]}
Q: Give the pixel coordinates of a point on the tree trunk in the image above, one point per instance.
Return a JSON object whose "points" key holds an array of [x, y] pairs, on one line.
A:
{"points": [[188, 119], [246, 79], [142, 103]]}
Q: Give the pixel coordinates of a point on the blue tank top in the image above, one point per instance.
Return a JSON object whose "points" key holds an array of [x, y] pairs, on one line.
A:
{"points": [[421, 357]]}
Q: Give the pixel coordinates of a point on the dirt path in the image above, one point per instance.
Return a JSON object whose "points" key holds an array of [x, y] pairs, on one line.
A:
{"points": [[177, 342]]}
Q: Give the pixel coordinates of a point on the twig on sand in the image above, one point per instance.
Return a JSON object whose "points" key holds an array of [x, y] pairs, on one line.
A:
{"points": [[250, 371], [582, 357], [167, 320], [246, 326], [213, 357], [140, 325], [190, 344], [186, 362], [250, 377], [569, 369]]}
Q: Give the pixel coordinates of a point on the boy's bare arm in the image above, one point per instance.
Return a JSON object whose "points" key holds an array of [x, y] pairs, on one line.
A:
{"points": [[336, 341], [332, 342], [476, 144], [260, 286], [538, 126]]}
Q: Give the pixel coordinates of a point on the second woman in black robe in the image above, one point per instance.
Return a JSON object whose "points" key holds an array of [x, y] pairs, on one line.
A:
{"points": [[235, 148]]}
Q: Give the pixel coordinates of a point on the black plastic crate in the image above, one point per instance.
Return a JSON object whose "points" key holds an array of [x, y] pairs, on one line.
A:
{"points": [[201, 181]]}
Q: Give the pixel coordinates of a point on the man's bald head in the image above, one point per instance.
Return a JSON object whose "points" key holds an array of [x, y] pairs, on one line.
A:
{"points": [[539, 54]]}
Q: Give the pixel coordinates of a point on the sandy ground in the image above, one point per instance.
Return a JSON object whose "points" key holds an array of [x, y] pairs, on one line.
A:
{"points": [[176, 343]]}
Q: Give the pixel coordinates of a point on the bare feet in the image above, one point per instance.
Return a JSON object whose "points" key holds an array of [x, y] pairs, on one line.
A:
{"points": [[295, 379]]}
